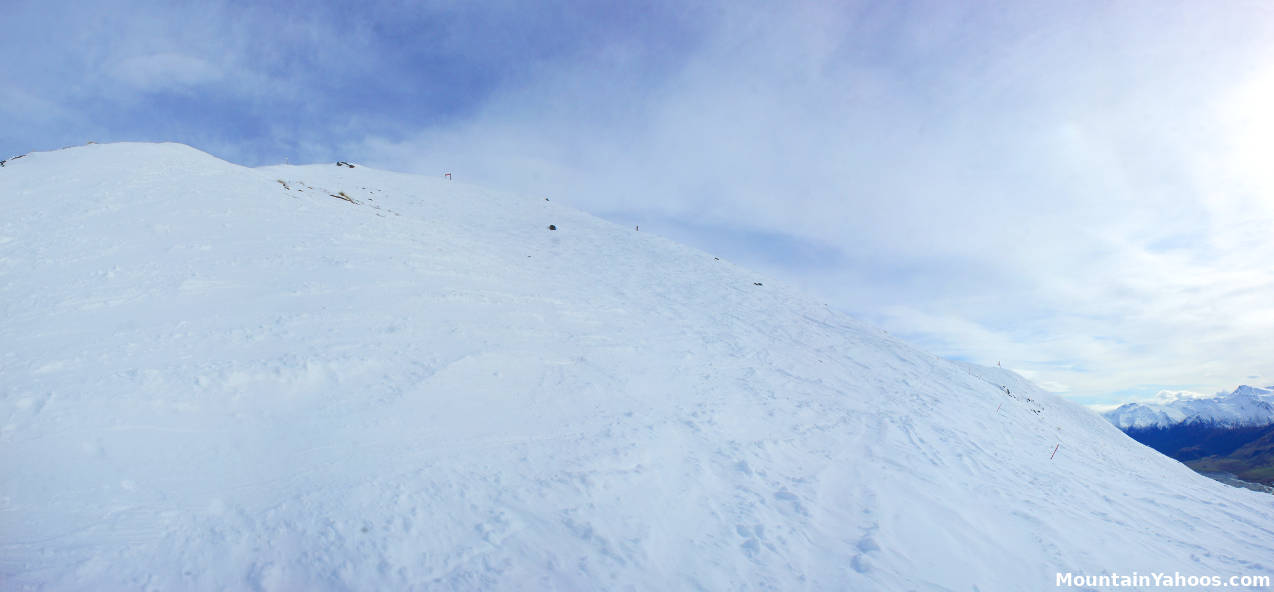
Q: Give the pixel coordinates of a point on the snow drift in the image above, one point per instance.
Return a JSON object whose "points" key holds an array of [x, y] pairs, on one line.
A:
{"points": [[216, 377]]}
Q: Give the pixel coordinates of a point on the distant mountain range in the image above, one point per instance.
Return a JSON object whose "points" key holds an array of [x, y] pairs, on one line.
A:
{"points": [[1246, 406], [1226, 433]]}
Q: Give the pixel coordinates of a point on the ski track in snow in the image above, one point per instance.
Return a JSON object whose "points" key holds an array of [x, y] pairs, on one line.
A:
{"points": [[214, 380]]}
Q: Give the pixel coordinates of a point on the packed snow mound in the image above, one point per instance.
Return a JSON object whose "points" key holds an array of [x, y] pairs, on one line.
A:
{"points": [[1246, 406], [322, 377]]}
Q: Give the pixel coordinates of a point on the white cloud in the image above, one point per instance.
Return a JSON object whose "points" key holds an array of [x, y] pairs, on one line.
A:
{"points": [[1248, 123], [1167, 397], [166, 72]]}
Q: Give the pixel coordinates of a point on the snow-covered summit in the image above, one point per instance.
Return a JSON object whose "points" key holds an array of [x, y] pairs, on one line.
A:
{"points": [[1246, 406], [323, 377]]}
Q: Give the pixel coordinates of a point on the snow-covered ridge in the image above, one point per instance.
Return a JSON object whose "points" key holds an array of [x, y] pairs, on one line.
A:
{"points": [[1246, 406], [322, 377]]}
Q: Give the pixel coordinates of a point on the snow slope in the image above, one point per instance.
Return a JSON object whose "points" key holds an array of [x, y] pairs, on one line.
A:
{"points": [[1246, 406], [211, 380]]}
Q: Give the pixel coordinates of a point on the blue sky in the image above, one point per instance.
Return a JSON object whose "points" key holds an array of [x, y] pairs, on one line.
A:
{"points": [[1081, 190]]}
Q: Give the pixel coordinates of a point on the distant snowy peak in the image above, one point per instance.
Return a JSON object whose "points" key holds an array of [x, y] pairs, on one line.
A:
{"points": [[1266, 393], [1246, 406]]}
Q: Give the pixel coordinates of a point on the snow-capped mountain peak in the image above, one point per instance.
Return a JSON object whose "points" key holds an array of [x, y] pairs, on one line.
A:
{"points": [[1245, 406]]}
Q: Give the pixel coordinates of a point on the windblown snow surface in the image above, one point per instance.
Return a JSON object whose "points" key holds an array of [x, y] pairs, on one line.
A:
{"points": [[215, 377]]}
